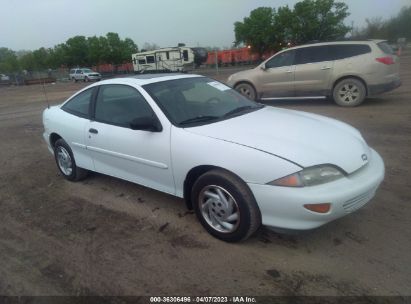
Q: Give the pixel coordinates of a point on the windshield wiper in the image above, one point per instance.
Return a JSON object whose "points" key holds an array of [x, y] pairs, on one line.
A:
{"points": [[242, 109], [198, 119]]}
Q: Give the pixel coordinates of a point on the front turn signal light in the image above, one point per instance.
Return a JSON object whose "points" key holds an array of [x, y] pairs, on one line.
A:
{"points": [[318, 208]]}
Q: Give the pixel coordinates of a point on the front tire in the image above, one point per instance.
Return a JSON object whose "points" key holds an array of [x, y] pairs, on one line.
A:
{"points": [[349, 92], [225, 206], [246, 90], [66, 163]]}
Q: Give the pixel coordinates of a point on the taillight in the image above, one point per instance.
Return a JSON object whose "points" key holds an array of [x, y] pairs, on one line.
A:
{"points": [[386, 60]]}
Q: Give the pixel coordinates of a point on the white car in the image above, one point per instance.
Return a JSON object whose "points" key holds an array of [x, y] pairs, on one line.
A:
{"points": [[238, 163]]}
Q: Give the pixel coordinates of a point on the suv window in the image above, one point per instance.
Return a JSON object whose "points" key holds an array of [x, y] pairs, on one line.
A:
{"points": [[120, 104], [280, 60], [386, 48], [312, 54], [341, 51], [72, 71], [78, 71], [80, 104]]}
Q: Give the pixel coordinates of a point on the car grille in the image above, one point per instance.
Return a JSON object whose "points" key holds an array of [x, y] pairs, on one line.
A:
{"points": [[358, 201]]}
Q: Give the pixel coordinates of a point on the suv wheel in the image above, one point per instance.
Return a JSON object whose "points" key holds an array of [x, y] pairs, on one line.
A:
{"points": [[86, 79], [349, 92], [74, 79], [246, 90]]}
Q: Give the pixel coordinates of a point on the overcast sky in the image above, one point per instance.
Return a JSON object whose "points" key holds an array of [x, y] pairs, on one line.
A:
{"points": [[31, 24]]}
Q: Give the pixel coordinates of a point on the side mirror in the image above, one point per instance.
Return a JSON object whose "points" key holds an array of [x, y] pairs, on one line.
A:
{"points": [[263, 67], [146, 123]]}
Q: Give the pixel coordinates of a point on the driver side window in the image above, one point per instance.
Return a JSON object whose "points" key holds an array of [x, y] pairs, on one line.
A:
{"points": [[280, 60], [120, 104]]}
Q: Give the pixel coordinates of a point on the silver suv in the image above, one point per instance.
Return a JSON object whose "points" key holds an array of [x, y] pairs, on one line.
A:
{"points": [[84, 74], [346, 71]]}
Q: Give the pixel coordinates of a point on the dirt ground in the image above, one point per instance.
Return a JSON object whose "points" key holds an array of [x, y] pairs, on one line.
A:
{"points": [[105, 236]]}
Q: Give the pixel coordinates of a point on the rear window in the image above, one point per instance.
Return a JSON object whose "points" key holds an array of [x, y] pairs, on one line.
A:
{"points": [[79, 105], [385, 47], [341, 51]]}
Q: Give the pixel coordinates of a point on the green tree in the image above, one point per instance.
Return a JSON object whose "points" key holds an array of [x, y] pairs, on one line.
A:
{"points": [[77, 51], [392, 29], [316, 20], [309, 20], [257, 30], [8, 60]]}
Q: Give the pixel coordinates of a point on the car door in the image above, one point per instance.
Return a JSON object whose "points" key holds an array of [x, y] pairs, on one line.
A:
{"points": [[79, 74], [313, 70], [117, 150], [73, 124], [276, 78]]}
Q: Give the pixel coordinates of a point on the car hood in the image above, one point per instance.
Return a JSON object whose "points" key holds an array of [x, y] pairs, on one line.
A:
{"points": [[302, 138]]}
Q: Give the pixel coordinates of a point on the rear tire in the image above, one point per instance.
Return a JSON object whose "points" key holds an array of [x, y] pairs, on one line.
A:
{"points": [[349, 92], [246, 90], [66, 163], [225, 206]]}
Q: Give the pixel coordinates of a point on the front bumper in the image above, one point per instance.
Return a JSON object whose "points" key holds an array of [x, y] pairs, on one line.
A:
{"points": [[283, 207], [94, 77]]}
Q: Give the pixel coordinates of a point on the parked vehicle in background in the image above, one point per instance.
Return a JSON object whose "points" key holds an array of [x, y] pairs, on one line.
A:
{"points": [[346, 71], [4, 79], [237, 163], [172, 59], [84, 74]]}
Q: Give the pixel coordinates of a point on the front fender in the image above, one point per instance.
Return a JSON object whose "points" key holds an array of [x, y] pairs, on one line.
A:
{"points": [[190, 150]]}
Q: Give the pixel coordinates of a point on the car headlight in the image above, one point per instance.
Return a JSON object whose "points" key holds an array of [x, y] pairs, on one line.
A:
{"points": [[310, 177]]}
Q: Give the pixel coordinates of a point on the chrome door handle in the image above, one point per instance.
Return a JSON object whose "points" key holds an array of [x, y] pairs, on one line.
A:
{"points": [[325, 68], [289, 71]]}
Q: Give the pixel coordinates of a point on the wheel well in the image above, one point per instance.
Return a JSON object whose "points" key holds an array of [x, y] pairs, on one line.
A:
{"points": [[191, 177], [350, 76], [53, 138], [246, 82]]}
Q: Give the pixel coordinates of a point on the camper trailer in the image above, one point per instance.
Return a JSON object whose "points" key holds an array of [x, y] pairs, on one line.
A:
{"points": [[173, 59]]}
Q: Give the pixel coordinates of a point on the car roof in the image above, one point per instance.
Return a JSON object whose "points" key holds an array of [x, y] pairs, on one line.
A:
{"points": [[143, 79], [337, 43]]}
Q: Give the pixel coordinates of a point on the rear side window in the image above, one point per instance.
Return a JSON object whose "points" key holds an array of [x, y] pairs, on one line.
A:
{"points": [[386, 48], [120, 104], [150, 59], [79, 105], [341, 51], [312, 54]]}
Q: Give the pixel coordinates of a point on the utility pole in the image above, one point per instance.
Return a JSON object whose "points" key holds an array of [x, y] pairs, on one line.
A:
{"points": [[216, 61]]}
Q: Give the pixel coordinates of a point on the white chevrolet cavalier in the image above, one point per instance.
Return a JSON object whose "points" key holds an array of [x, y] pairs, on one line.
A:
{"points": [[238, 163]]}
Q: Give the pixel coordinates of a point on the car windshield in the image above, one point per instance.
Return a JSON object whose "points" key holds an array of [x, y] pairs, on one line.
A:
{"points": [[87, 71], [196, 101]]}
